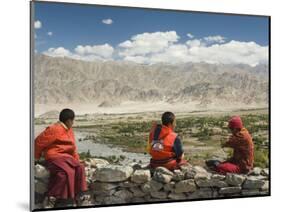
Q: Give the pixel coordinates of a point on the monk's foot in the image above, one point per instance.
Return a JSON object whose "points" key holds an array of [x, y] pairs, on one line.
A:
{"points": [[84, 200], [49, 202]]}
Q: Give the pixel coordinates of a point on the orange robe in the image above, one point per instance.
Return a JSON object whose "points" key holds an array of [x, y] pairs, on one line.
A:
{"points": [[56, 141]]}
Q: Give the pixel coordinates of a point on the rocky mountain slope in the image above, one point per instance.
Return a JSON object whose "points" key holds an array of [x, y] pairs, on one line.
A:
{"points": [[108, 84]]}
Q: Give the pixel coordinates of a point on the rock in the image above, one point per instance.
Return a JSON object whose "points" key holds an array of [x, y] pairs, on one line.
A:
{"points": [[112, 200], [178, 175], [200, 170], [163, 170], [159, 194], [138, 200], [179, 196], [218, 177], [124, 195], [234, 179], [265, 186], [265, 172], [230, 190], [201, 193], [253, 182], [99, 186], [141, 176], [250, 192], [160, 177], [185, 186], [146, 187], [151, 186], [40, 187], [169, 186], [203, 179], [216, 131], [97, 162], [155, 186], [41, 172], [137, 192], [218, 183], [188, 172], [128, 184], [256, 171], [113, 173]]}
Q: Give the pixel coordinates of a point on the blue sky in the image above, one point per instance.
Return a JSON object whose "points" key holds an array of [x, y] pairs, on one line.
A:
{"points": [[69, 25]]}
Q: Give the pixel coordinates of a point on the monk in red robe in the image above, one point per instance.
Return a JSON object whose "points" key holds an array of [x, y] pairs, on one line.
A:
{"points": [[243, 149], [67, 174]]}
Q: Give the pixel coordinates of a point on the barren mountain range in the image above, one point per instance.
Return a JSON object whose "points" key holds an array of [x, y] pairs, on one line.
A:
{"points": [[60, 80]]}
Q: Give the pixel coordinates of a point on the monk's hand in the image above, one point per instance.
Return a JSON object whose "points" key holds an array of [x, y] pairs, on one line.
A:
{"points": [[82, 162]]}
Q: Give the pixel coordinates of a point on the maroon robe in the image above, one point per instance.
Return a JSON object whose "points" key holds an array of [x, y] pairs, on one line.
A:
{"points": [[67, 178]]}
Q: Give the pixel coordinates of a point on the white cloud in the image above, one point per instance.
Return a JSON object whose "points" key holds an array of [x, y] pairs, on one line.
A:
{"points": [[147, 43], [88, 53], [233, 52], [194, 43], [215, 39], [176, 53], [150, 48], [58, 52], [50, 33], [104, 51], [37, 24], [107, 21], [190, 35]]}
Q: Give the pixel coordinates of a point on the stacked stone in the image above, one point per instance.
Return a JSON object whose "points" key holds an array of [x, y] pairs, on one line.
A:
{"points": [[116, 184], [41, 176]]}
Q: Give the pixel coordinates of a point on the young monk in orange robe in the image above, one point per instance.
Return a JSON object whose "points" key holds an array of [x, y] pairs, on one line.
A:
{"points": [[67, 174]]}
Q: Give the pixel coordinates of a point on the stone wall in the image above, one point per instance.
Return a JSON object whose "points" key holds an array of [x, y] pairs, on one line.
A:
{"points": [[116, 184]]}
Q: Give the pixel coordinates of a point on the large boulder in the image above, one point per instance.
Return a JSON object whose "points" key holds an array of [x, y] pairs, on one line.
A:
{"points": [[141, 176], [113, 173], [185, 186]]}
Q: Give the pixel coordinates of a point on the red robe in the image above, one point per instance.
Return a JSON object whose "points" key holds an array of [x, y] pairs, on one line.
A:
{"points": [[243, 150]]}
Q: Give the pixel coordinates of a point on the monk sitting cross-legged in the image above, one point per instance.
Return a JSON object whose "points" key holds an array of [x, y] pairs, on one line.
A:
{"points": [[243, 150], [67, 175], [164, 145]]}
